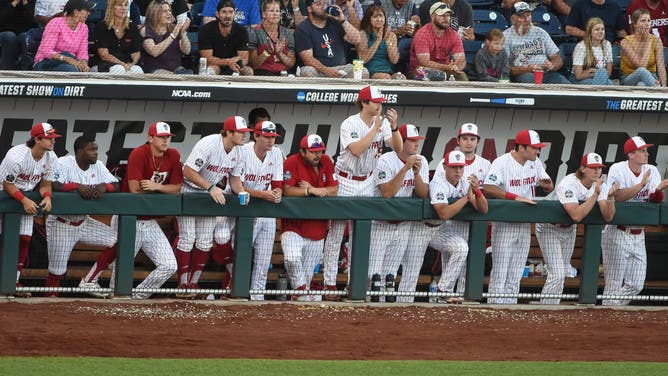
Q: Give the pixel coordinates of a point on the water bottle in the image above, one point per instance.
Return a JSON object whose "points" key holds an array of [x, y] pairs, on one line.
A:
{"points": [[389, 287], [202, 66], [452, 78], [375, 286], [282, 284], [433, 288]]}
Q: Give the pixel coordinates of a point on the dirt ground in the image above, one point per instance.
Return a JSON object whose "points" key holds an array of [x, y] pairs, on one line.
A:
{"points": [[169, 329]]}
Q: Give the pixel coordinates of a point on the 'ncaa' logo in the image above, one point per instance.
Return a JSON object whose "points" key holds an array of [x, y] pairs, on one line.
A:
{"points": [[301, 96]]}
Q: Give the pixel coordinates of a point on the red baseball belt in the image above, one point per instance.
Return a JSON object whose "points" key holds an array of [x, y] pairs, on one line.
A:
{"points": [[71, 223], [354, 177], [632, 231]]}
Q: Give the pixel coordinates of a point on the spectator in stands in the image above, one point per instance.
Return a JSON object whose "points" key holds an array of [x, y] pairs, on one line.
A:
{"points": [[271, 46], [15, 20], [224, 43], [45, 10], [402, 16], [592, 57], [658, 13], [291, 15], [461, 20], [607, 10], [433, 45], [352, 11], [378, 48], [491, 61], [164, 41], [320, 42], [64, 47], [642, 61], [179, 8], [118, 41], [530, 48], [246, 13]]}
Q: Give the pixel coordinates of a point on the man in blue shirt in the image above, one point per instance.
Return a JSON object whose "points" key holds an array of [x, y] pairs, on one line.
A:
{"points": [[247, 12]]}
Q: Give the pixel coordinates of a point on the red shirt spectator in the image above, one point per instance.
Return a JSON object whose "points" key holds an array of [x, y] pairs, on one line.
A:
{"points": [[658, 12]]}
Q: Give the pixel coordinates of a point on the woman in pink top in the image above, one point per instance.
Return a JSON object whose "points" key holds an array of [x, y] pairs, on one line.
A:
{"points": [[64, 46]]}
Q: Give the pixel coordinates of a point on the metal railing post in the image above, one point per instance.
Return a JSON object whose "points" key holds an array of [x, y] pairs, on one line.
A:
{"points": [[475, 267], [360, 259], [125, 255], [11, 225], [243, 257], [591, 259]]}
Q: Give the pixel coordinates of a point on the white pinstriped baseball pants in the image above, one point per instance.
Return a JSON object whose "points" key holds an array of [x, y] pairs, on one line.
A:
{"points": [[510, 245], [624, 263], [264, 233], [421, 235], [386, 249], [301, 255], [557, 244]]}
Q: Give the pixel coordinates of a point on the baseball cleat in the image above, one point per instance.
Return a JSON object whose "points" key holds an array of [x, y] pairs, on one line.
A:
{"points": [[184, 295], [92, 285], [331, 298], [21, 294]]}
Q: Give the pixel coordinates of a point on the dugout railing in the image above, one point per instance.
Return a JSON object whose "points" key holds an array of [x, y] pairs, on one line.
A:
{"points": [[360, 210]]}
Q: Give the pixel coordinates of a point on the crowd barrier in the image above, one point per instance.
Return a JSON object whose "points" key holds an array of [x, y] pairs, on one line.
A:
{"points": [[360, 210]]}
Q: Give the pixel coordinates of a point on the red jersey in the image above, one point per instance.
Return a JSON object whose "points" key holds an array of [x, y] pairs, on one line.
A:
{"points": [[658, 18], [142, 166], [295, 170]]}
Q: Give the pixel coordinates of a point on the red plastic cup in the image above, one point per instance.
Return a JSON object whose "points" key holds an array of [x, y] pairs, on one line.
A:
{"points": [[538, 76]]}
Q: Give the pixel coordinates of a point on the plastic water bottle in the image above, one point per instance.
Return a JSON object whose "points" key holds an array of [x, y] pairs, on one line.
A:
{"points": [[389, 287], [452, 78], [375, 286], [433, 288], [282, 284]]}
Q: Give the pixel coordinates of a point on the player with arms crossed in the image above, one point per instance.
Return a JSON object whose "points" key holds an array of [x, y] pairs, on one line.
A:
{"points": [[261, 164], [398, 174], [514, 176], [578, 193], [22, 168], [451, 239], [152, 168], [206, 169], [84, 174], [362, 136], [623, 246], [307, 173]]}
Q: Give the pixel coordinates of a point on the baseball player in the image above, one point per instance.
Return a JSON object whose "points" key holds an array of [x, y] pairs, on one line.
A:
{"points": [[362, 137], [85, 174], [206, 171], [152, 168], [307, 173], [623, 246], [468, 138], [578, 193], [452, 236], [397, 174], [514, 176], [261, 164], [23, 167]]}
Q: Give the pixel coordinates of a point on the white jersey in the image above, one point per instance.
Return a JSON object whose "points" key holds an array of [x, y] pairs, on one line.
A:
{"points": [[621, 173], [21, 169], [68, 171], [388, 167], [477, 166], [209, 159], [440, 190], [258, 174], [506, 173], [571, 191], [352, 130]]}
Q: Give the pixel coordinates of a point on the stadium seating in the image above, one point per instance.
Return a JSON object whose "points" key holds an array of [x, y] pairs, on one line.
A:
{"points": [[547, 21], [486, 20], [196, 15], [566, 50]]}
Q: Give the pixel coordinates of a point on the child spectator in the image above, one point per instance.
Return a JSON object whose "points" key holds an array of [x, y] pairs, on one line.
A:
{"points": [[491, 61]]}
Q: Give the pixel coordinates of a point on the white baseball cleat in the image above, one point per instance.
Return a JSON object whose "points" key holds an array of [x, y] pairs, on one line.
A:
{"points": [[93, 285]]}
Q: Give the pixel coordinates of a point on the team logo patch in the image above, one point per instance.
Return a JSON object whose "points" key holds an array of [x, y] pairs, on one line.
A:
{"points": [[199, 163], [287, 175], [354, 134], [568, 194], [56, 176], [381, 175], [492, 177], [440, 196], [10, 178]]}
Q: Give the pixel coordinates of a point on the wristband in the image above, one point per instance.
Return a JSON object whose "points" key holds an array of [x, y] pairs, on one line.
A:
{"points": [[307, 193], [68, 187], [478, 193], [210, 188], [510, 196], [395, 129], [46, 194], [18, 196], [109, 187]]}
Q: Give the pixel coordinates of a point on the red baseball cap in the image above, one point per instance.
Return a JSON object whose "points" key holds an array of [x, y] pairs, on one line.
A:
{"points": [[160, 129], [592, 160], [635, 143], [371, 93], [43, 130], [455, 158], [409, 132], [237, 124], [312, 142], [468, 128], [530, 138], [266, 128]]}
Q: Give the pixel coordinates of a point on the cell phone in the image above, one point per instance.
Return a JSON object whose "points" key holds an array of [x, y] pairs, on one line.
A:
{"points": [[332, 11]]}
